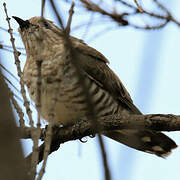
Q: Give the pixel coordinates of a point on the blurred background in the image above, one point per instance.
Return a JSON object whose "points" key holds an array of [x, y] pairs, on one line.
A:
{"points": [[146, 61]]}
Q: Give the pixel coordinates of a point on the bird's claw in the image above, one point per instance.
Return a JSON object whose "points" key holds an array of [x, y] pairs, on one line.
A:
{"points": [[92, 135], [83, 141]]}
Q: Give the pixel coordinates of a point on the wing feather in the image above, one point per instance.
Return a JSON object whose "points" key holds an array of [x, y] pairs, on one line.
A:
{"points": [[94, 64]]}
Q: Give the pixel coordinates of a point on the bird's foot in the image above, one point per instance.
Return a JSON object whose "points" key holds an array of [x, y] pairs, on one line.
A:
{"points": [[77, 132]]}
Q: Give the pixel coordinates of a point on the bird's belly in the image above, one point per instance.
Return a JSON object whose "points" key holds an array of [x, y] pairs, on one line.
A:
{"points": [[64, 113], [67, 110], [67, 113]]}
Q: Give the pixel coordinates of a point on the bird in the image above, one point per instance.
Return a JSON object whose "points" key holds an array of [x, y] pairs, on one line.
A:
{"points": [[62, 89]]}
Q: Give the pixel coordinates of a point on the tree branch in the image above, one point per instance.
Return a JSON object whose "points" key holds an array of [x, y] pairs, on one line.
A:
{"points": [[156, 122]]}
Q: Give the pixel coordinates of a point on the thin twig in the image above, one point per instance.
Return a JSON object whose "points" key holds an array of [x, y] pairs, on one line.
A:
{"points": [[17, 108], [57, 15], [71, 12], [88, 25], [17, 62], [161, 6], [102, 32], [82, 24], [155, 27], [7, 46], [37, 133], [8, 81], [107, 174], [12, 75], [34, 160], [95, 8], [42, 7], [125, 3], [122, 18], [48, 138], [139, 7], [14, 102], [3, 29], [18, 97], [46, 150], [11, 51]]}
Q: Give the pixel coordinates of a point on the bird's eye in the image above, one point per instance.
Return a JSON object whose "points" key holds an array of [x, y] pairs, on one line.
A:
{"points": [[47, 25]]}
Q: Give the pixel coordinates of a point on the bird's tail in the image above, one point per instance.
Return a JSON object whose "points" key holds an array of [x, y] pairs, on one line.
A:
{"points": [[145, 140]]}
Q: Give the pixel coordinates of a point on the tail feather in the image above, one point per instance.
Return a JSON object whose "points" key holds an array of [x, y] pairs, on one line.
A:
{"points": [[145, 140]]}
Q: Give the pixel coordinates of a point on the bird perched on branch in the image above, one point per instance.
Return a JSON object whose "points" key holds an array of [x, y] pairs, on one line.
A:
{"points": [[70, 72]]}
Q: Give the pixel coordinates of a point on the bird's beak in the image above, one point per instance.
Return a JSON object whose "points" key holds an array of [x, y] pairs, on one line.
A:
{"points": [[22, 23]]}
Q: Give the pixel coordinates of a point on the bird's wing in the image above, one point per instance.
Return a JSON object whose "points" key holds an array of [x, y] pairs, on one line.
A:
{"points": [[94, 64]]}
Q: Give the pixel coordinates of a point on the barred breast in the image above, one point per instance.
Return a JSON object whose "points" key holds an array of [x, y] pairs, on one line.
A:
{"points": [[62, 92]]}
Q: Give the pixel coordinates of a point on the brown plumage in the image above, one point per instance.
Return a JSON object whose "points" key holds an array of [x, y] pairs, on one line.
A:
{"points": [[44, 41]]}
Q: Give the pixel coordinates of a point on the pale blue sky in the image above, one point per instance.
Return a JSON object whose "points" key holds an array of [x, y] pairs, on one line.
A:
{"points": [[147, 64]]}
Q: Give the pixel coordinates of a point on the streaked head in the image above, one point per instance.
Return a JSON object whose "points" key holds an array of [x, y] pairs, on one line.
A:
{"points": [[37, 31]]}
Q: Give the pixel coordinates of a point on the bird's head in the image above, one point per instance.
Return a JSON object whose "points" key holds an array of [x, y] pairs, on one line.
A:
{"points": [[37, 32]]}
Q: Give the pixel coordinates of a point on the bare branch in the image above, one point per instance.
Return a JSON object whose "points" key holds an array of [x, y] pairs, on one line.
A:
{"points": [[17, 62], [122, 18], [57, 15], [71, 11], [36, 134], [18, 109], [154, 122], [107, 173], [139, 7], [95, 8], [42, 7]]}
